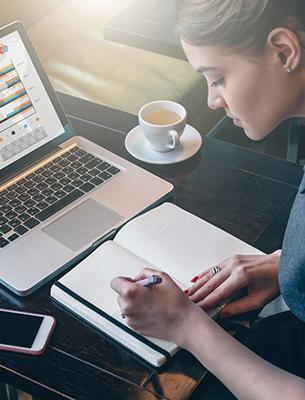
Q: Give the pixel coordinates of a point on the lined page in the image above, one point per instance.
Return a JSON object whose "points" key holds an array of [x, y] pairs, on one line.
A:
{"points": [[91, 280], [178, 242]]}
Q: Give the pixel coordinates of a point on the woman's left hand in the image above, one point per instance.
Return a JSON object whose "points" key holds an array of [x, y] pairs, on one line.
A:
{"points": [[161, 311]]}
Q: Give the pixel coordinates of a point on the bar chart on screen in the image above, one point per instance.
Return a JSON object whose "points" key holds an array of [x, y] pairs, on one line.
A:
{"points": [[15, 104]]}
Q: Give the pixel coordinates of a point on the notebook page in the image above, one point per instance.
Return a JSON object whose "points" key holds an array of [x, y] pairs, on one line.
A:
{"points": [[92, 277], [178, 242]]}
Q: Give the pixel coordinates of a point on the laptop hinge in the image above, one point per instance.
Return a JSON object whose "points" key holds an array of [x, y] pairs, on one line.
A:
{"points": [[32, 168]]}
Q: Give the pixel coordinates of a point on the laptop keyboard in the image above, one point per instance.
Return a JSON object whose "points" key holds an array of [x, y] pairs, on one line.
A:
{"points": [[49, 189]]}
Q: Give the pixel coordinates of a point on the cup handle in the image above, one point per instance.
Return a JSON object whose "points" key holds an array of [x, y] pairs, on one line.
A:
{"points": [[175, 140]]}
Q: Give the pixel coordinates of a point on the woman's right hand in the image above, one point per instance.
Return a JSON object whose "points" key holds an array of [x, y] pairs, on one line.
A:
{"points": [[256, 273]]}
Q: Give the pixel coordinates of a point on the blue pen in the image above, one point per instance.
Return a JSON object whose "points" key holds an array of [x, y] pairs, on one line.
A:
{"points": [[150, 280]]}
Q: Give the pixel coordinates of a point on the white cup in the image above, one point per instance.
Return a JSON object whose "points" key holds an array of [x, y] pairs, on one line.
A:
{"points": [[162, 122]]}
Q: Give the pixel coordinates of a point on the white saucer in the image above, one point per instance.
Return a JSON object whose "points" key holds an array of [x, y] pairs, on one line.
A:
{"points": [[138, 147]]}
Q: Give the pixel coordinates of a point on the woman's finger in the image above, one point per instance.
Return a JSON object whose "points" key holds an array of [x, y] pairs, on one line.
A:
{"points": [[204, 286], [222, 293]]}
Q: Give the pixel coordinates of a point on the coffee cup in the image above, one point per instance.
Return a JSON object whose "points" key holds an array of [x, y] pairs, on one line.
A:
{"points": [[163, 123]]}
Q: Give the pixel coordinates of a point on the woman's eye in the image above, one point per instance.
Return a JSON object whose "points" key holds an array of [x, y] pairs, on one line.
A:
{"points": [[217, 83]]}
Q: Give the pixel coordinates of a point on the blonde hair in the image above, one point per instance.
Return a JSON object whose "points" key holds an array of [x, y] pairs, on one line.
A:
{"points": [[242, 25]]}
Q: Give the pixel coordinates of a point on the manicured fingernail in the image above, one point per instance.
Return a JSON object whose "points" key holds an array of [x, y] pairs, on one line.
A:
{"points": [[193, 280], [186, 291]]}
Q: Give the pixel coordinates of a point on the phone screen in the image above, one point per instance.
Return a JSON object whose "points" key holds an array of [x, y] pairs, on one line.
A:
{"points": [[18, 329]]}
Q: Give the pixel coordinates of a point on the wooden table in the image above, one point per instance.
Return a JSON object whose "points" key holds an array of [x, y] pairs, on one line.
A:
{"points": [[246, 193]]}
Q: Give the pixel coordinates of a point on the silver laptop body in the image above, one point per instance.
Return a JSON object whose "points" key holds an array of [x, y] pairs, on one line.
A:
{"points": [[34, 135]]}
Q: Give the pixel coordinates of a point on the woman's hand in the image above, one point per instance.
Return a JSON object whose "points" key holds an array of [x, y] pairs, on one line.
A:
{"points": [[161, 311], [256, 273]]}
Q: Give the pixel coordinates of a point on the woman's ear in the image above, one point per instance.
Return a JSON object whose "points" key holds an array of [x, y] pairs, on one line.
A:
{"points": [[286, 47]]}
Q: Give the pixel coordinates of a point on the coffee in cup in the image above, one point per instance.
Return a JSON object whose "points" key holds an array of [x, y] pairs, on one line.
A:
{"points": [[163, 122]]}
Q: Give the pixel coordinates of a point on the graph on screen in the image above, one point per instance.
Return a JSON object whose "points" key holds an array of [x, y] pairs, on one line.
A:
{"points": [[15, 103]]}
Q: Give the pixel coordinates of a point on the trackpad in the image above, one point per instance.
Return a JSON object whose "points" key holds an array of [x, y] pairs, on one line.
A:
{"points": [[83, 224]]}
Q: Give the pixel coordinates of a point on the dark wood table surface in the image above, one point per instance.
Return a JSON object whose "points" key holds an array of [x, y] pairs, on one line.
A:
{"points": [[246, 193]]}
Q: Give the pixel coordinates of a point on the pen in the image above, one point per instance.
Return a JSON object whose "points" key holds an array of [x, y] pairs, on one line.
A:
{"points": [[150, 280]]}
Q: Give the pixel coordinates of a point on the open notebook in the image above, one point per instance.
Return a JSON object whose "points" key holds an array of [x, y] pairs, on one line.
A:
{"points": [[167, 238]]}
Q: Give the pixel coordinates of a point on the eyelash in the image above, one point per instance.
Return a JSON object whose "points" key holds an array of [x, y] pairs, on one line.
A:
{"points": [[217, 83]]}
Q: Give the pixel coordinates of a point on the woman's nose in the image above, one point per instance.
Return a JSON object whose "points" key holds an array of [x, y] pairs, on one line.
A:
{"points": [[215, 102]]}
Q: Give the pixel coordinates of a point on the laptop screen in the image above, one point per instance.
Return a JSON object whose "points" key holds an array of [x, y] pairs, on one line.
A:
{"points": [[28, 119]]}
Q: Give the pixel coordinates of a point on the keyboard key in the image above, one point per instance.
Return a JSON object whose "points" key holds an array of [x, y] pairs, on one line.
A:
{"points": [[74, 149], [86, 158], [63, 163], [13, 237], [38, 178], [86, 177], [59, 175], [77, 182], [20, 209], [30, 223], [38, 197], [73, 176], [82, 170], [3, 200], [29, 203], [24, 216], [68, 188], [69, 198], [55, 167], [96, 181], [46, 173], [51, 180], [104, 175], [3, 242], [72, 157], [56, 186], [52, 199], [12, 195], [20, 189], [24, 197], [5, 209], [47, 192], [86, 187], [104, 165], [12, 187], [33, 210], [20, 229], [14, 203], [11, 215], [93, 163], [5, 228], [67, 170], [41, 186], [59, 194], [33, 191], [76, 165], [65, 181], [42, 205], [29, 184], [3, 220], [113, 170], [14, 222], [94, 172], [80, 152]]}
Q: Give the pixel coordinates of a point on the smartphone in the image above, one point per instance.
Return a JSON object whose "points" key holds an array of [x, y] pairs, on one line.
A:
{"points": [[25, 332]]}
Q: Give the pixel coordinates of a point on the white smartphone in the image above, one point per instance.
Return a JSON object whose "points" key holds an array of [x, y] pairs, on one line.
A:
{"points": [[25, 332]]}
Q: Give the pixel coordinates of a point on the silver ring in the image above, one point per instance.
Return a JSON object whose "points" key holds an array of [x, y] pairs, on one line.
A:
{"points": [[216, 270]]}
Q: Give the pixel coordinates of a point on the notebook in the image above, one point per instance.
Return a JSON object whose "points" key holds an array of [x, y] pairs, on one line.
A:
{"points": [[167, 238], [61, 195]]}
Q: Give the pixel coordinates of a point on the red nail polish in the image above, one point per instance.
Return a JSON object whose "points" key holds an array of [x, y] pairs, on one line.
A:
{"points": [[186, 291], [193, 280]]}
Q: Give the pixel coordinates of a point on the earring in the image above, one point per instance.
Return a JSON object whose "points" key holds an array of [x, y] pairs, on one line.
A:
{"points": [[289, 70]]}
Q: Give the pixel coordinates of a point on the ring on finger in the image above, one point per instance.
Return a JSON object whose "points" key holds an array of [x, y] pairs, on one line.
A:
{"points": [[215, 270]]}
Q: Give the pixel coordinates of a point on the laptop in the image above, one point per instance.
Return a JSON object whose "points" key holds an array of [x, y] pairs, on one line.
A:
{"points": [[60, 194]]}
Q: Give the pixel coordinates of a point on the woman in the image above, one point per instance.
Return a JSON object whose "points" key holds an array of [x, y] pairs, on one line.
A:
{"points": [[251, 53]]}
